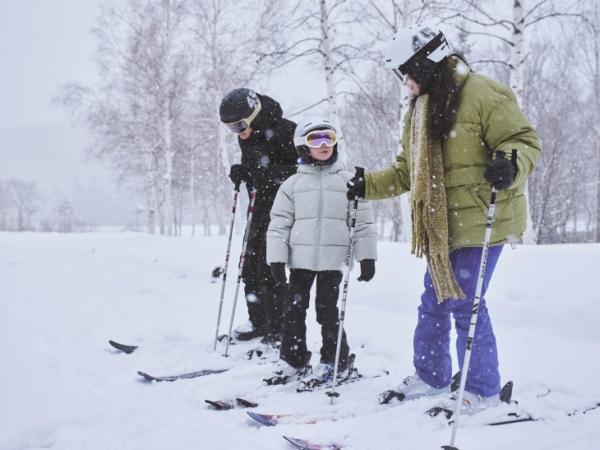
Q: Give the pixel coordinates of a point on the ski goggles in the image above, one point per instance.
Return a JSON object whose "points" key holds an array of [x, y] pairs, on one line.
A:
{"points": [[242, 125], [317, 138]]}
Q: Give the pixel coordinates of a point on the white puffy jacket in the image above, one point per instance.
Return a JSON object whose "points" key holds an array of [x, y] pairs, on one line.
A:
{"points": [[310, 221]]}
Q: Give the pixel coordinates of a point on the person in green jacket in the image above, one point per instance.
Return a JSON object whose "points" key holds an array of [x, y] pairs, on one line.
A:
{"points": [[457, 125]]}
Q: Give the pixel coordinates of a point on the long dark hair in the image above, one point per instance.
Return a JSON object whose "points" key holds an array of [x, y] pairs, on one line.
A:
{"points": [[443, 93]]}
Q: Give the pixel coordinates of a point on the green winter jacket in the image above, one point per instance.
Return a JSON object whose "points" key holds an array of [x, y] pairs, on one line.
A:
{"points": [[488, 118]]}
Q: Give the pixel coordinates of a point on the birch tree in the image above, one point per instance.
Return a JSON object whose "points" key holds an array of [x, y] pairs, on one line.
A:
{"points": [[144, 69], [226, 47], [508, 24], [318, 33], [587, 49], [558, 183], [374, 114], [25, 198]]}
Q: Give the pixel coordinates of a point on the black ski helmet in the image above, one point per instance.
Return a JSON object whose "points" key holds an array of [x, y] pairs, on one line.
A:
{"points": [[300, 141], [239, 108]]}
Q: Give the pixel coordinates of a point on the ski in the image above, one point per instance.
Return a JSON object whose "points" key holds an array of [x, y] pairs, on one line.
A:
{"points": [[305, 445], [529, 418], [505, 397], [270, 420], [122, 347], [222, 405], [183, 376]]}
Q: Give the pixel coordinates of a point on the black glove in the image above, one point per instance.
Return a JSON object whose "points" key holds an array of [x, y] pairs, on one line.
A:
{"points": [[239, 174], [278, 272], [500, 173], [367, 270], [356, 187]]}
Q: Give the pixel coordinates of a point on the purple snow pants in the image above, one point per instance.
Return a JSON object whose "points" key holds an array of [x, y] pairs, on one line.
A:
{"points": [[432, 336]]}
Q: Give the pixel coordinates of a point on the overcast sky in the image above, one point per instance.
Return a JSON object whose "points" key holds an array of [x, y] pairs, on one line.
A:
{"points": [[46, 43], [43, 44]]}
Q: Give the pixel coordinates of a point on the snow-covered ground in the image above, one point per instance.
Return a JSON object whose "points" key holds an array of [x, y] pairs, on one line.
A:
{"points": [[62, 387]]}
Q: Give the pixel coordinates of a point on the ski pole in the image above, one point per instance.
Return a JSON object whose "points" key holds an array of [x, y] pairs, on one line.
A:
{"points": [[475, 308], [241, 266], [236, 192], [360, 173]]}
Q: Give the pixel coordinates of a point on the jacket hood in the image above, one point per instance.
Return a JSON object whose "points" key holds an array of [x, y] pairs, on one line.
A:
{"points": [[460, 69], [269, 114]]}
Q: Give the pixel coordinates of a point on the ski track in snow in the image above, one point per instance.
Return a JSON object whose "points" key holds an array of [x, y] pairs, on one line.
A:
{"points": [[63, 296]]}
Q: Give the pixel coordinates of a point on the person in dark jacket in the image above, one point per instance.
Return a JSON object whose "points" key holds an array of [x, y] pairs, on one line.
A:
{"points": [[266, 140]]}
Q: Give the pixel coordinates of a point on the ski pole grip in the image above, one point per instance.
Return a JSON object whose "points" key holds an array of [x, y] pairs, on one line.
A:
{"points": [[237, 187], [500, 154], [360, 172]]}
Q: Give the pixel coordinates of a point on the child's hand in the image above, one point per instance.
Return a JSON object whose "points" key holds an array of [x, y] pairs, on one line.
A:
{"points": [[367, 270]]}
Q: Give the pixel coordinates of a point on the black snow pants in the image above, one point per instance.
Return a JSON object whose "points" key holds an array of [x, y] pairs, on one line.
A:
{"points": [[293, 328], [263, 297]]}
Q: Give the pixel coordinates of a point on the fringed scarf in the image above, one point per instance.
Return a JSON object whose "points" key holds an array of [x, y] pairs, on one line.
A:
{"points": [[429, 213]]}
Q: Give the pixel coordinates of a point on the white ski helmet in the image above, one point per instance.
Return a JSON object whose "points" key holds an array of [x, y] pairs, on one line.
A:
{"points": [[303, 131], [419, 40]]}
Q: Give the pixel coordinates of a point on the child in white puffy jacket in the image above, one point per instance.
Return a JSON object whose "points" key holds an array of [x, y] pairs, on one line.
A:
{"points": [[309, 231]]}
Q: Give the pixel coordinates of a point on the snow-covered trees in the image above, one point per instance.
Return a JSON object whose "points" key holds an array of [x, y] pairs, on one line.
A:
{"points": [[164, 66], [19, 201]]}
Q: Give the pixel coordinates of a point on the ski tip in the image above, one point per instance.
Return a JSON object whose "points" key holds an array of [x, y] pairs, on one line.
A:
{"points": [[245, 403], [219, 405], [302, 444], [263, 419], [146, 376], [122, 347]]}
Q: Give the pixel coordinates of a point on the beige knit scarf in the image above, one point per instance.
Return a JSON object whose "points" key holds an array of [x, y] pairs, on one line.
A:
{"points": [[429, 213]]}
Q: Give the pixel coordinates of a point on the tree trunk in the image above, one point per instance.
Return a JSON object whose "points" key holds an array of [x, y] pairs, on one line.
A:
{"points": [[598, 199], [516, 51], [329, 79], [517, 62], [192, 188]]}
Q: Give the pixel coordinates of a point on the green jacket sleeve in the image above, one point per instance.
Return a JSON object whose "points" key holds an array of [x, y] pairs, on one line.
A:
{"points": [[390, 182], [506, 128]]}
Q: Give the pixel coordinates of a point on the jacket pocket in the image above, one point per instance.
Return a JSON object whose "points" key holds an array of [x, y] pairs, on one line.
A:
{"points": [[477, 193]]}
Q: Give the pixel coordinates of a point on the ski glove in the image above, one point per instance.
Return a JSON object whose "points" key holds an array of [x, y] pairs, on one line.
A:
{"points": [[500, 173], [367, 270], [356, 188], [278, 272], [239, 174]]}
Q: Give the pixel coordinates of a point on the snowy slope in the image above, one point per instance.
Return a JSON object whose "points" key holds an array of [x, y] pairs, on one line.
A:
{"points": [[62, 387]]}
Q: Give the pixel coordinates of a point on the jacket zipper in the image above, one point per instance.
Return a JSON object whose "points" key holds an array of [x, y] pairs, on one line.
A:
{"points": [[320, 212]]}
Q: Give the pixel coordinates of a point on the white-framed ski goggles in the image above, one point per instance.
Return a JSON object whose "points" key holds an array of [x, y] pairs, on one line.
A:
{"points": [[317, 138], [241, 125]]}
